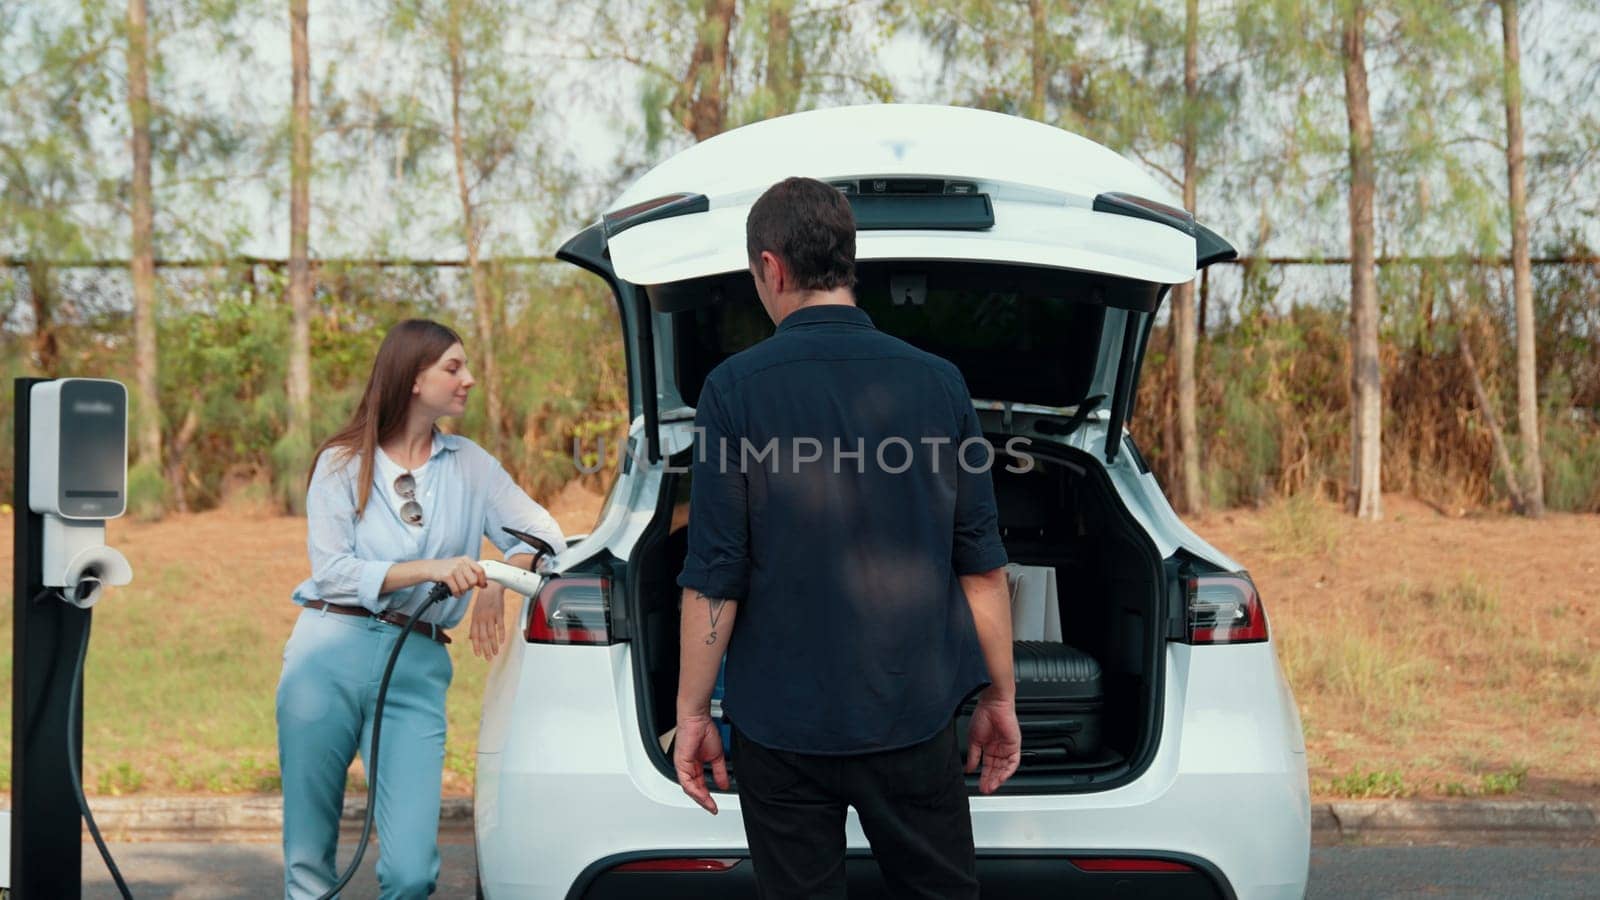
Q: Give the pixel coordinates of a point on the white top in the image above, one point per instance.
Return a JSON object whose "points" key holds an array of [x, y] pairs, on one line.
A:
{"points": [[1042, 181]]}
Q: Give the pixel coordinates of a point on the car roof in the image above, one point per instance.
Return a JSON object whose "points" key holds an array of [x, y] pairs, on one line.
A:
{"points": [[1042, 180]]}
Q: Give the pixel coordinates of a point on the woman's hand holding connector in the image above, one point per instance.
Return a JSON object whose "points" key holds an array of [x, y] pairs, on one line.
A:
{"points": [[460, 574]]}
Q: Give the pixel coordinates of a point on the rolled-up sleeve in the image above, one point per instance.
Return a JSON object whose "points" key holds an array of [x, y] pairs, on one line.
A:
{"points": [[718, 561], [509, 506], [339, 575], [977, 547]]}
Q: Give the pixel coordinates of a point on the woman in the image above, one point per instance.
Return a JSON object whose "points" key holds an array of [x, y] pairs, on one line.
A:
{"points": [[393, 506]]}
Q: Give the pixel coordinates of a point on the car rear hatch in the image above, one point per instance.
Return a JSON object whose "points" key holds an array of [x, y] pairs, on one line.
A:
{"points": [[1043, 290]]}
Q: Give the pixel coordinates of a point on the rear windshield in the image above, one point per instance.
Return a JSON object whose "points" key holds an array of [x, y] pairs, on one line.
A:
{"points": [[1021, 334]]}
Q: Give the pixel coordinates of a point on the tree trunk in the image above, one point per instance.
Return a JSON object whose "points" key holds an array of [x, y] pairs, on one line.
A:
{"points": [[699, 103], [782, 85], [483, 299], [46, 352], [1425, 279], [1366, 389], [178, 470], [143, 266], [1521, 271], [1183, 309], [1491, 417], [300, 228], [1039, 56], [1425, 291]]}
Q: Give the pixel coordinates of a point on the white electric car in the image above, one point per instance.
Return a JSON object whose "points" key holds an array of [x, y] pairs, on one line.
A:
{"points": [[1035, 260]]}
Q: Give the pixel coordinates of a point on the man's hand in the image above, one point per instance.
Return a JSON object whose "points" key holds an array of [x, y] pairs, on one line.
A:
{"points": [[488, 628], [995, 736], [696, 743]]}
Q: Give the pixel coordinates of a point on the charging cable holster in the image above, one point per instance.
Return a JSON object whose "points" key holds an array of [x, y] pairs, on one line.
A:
{"points": [[77, 560]]}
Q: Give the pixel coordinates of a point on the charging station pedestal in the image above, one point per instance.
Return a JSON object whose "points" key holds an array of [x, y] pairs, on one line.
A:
{"points": [[46, 827]]}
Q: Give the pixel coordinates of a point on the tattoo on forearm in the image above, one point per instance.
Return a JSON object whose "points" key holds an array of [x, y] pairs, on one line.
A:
{"points": [[714, 612]]}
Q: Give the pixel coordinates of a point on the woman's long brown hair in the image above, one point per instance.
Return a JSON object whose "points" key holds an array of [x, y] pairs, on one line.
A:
{"points": [[408, 348]]}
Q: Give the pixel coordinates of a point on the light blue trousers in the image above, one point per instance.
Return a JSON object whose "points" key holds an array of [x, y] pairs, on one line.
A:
{"points": [[326, 699]]}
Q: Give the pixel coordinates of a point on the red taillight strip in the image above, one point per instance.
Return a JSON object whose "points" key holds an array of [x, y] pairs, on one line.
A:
{"points": [[1130, 864], [678, 865], [1234, 590], [542, 629]]}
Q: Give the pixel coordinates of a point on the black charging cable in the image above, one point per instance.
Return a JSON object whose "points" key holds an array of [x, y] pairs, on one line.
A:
{"points": [[55, 665], [73, 762], [439, 592]]}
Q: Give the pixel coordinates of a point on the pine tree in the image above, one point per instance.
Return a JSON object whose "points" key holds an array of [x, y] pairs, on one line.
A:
{"points": [[299, 439], [1522, 270], [1366, 381], [146, 371]]}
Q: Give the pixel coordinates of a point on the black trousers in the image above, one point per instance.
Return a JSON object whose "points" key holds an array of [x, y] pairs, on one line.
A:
{"points": [[912, 803]]}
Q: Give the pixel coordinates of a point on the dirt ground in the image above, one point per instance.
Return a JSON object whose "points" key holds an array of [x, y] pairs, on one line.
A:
{"points": [[1432, 655]]}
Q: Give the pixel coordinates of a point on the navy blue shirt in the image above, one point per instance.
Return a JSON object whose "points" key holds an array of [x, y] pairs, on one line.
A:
{"points": [[829, 500]]}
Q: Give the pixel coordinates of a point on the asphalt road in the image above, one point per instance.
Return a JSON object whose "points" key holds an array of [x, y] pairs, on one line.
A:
{"points": [[217, 871]]}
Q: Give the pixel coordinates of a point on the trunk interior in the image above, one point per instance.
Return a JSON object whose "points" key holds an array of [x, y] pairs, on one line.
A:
{"points": [[1064, 516], [1047, 337]]}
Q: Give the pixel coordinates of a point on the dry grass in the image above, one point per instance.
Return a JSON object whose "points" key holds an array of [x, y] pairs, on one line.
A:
{"points": [[1301, 525], [1433, 655]]}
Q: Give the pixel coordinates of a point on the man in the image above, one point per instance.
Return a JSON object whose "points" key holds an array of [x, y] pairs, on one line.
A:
{"points": [[842, 515]]}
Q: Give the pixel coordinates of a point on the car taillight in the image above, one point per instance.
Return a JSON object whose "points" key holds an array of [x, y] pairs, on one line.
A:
{"points": [[678, 865], [571, 610], [1129, 864], [1224, 609]]}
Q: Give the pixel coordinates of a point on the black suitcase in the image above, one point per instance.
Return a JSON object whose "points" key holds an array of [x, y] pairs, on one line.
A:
{"points": [[1059, 702]]}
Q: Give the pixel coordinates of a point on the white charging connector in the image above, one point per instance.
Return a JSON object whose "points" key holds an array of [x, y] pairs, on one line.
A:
{"points": [[522, 581]]}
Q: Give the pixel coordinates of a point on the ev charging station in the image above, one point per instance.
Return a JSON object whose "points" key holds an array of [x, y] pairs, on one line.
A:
{"points": [[71, 461]]}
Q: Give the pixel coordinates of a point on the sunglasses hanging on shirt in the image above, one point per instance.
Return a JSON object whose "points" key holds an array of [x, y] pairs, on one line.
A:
{"points": [[405, 487]]}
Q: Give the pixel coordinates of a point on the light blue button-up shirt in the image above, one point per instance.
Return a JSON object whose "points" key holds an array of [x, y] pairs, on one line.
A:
{"points": [[469, 496]]}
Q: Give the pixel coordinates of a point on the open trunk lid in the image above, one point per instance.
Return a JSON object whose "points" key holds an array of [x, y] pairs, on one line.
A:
{"points": [[1032, 258]]}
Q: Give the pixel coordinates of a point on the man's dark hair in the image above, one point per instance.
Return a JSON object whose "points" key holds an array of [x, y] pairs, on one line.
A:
{"points": [[809, 226]]}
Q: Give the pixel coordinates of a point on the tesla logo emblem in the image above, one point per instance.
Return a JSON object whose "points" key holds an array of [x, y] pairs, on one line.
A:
{"points": [[898, 148]]}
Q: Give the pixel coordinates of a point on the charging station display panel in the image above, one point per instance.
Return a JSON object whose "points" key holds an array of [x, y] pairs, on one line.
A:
{"points": [[94, 449]]}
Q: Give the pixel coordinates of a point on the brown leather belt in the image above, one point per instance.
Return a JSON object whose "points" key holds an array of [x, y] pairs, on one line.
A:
{"points": [[389, 616]]}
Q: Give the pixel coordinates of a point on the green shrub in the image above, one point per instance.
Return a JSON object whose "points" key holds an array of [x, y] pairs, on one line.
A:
{"points": [[1384, 783], [147, 492], [1507, 782], [1272, 378], [1571, 462], [291, 460], [1244, 448]]}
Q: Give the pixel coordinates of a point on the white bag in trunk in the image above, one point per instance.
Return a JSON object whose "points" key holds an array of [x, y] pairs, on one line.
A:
{"points": [[1035, 611]]}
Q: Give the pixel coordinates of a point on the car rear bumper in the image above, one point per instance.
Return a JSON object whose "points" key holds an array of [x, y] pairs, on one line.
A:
{"points": [[1243, 833], [575, 788], [1173, 876]]}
